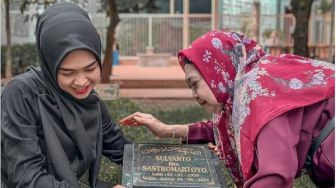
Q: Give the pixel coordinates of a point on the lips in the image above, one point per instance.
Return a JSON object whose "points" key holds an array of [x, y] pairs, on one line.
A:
{"points": [[82, 91]]}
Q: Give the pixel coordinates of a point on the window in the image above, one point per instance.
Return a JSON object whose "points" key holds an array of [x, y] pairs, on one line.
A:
{"points": [[195, 6]]}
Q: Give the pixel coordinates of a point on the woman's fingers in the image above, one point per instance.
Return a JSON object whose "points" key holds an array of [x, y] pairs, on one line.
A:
{"points": [[127, 117], [148, 120], [213, 147], [137, 118], [119, 186], [154, 125], [129, 120]]}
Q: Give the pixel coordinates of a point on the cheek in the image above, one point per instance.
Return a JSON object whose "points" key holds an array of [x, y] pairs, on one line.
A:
{"points": [[95, 76], [64, 82], [206, 93]]}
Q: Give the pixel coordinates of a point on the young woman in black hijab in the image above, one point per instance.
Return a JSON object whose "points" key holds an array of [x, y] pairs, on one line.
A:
{"points": [[54, 127]]}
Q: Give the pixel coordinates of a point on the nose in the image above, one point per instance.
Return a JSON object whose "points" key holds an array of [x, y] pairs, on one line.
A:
{"points": [[80, 81]]}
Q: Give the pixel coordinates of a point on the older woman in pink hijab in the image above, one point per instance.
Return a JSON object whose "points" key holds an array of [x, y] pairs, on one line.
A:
{"points": [[267, 111]]}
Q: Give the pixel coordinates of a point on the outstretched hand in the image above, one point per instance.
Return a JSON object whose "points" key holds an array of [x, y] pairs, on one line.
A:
{"points": [[119, 186], [158, 128]]}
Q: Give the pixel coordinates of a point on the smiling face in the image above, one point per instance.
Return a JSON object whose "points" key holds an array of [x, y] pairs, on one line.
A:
{"points": [[201, 91], [78, 73]]}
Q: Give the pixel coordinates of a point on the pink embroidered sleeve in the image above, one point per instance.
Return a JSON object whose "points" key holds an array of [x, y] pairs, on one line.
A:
{"points": [[283, 143], [200, 132]]}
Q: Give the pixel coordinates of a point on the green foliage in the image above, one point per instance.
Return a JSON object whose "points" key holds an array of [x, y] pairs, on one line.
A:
{"points": [[22, 56], [122, 108], [303, 182], [325, 6], [181, 116], [26, 3], [267, 33], [110, 172]]}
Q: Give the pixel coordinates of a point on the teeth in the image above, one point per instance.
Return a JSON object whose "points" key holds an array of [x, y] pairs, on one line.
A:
{"points": [[79, 89]]}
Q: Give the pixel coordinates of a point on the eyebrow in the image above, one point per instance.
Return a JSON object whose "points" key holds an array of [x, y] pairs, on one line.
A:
{"points": [[91, 64]]}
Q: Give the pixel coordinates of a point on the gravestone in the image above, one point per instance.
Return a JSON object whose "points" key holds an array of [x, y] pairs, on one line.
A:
{"points": [[174, 166]]}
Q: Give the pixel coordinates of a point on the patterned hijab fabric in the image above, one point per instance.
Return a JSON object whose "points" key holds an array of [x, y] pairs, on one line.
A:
{"points": [[253, 88]]}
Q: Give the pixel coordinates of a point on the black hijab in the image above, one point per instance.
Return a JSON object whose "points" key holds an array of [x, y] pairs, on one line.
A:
{"points": [[72, 128]]}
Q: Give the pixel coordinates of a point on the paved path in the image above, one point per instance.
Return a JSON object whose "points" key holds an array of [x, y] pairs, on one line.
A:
{"points": [[147, 82], [138, 72]]}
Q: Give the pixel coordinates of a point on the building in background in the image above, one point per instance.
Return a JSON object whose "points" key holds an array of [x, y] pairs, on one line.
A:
{"points": [[237, 16], [166, 27]]}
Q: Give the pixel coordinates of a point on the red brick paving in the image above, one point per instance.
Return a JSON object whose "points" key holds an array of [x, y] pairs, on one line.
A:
{"points": [[145, 75], [138, 72]]}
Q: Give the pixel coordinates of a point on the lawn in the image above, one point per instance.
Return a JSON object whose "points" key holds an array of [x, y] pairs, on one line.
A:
{"points": [[123, 107]]}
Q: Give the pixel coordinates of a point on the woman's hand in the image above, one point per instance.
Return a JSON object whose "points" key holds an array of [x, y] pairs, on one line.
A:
{"points": [[158, 128], [119, 186], [213, 148]]}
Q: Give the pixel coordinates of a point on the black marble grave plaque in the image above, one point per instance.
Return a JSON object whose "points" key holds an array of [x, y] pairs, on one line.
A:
{"points": [[175, 166]]}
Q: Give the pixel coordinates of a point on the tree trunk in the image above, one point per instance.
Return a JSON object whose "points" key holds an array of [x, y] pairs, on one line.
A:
{"points": [[114, 20], [256, 14], [332, 35], [8, 69], [301, 10]]}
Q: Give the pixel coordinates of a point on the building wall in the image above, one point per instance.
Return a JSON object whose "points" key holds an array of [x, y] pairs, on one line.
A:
{"points": [[236, 15]]}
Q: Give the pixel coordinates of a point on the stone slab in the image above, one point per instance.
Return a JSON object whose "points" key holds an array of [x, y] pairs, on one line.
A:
{"points": [[174, 166]]}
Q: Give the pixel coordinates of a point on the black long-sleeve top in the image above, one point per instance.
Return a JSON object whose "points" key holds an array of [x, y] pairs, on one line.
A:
{"points": [[24, 153]]}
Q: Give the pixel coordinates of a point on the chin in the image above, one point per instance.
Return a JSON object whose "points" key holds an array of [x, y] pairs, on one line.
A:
{"points": [[81, 97], [210, 109]]}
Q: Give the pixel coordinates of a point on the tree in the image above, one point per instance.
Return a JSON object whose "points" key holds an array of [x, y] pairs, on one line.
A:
{"points": [[112, 12], [113, 7], [23, 7], [26, 3], [328, 7], [114, 20], [325, 6], [8, 69], [301, 10]]}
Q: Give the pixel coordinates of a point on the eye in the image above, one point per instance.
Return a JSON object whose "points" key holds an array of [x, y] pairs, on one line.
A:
{"points": [[90, 69], [194, 84], [67, 73]]}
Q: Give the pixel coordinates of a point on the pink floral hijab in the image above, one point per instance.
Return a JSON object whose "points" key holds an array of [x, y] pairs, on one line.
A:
{"points": [[253, 88]]}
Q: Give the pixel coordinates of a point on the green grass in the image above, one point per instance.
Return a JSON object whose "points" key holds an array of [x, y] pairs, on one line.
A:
{"points": [[122, 107]]}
